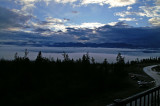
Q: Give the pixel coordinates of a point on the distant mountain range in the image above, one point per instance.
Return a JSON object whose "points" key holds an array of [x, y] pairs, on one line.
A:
{"points": [[105, 45], [71, 44]]}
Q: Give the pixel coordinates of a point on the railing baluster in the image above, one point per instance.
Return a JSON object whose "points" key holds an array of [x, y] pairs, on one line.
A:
{"points": [[140, 101], [148, 99], [136, 102], [130, 103], [155, 98], [144, 102], [152, 99], [158, 98]]}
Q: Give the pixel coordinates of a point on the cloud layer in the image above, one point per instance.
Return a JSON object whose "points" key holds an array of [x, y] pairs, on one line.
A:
{"points": [[64, 26], [151, 12], [112, 3], [116, 3], [127, 19], [118, 33]]}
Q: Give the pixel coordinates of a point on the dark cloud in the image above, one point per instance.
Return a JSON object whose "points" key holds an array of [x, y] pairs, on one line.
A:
{"points": [[43, 22], [121, 24], [41, 30], [148, 36], [66, 19], [75, 12], [9, 19], [120, 33], [83, 38]]}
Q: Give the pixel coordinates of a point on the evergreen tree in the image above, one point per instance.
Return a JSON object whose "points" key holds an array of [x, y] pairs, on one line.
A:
{"points": [[120, 59], [16, 56], [86, 58], [65, 56], [26, 54], [93, 60], [39, 56], [105, 61]]}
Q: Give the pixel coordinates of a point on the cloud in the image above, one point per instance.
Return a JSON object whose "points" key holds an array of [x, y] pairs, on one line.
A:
{"points": [[41, 30], [47, 1], [97, 34], [151, 12], [65, 1], [49, 26], [87, 25], [27, 4], [123, 13], [83, 38], [118, 33], [121, 24], [157, 2], [60, 27], [127, 13], [137, 36], [129, 8], [54, 20], [66, 19], [112, 3], [112, 23], [75, 12], [155, 21], [143, 11], [117, 24], [12, 20], [127, 19]]}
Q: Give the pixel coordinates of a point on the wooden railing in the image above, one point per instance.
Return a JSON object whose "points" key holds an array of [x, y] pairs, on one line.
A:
{"points": [[150, 97]]}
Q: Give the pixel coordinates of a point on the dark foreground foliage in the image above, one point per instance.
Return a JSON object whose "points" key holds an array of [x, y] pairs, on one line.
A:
{"points": [[60, 83]]}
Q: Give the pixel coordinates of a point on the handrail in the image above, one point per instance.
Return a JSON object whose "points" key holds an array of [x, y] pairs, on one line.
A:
{"points": [[153, 91]]}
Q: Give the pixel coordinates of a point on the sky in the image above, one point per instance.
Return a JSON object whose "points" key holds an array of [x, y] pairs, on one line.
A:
{"points": [[96, 21]]}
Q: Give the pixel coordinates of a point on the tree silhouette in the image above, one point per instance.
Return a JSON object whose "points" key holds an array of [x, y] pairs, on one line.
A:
{"points": [[105, 61], [65, 56], [26, 54], [120, 59], [86, 58], [93, 60], [39, 56], [16, 56], [45, 81]]}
